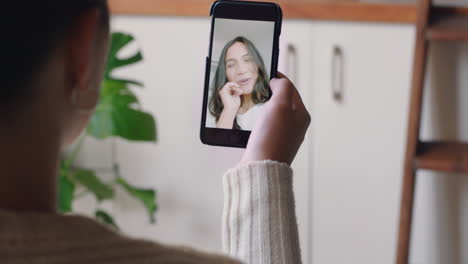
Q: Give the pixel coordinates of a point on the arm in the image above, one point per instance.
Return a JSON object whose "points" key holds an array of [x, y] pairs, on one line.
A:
{"points": [[259, 219], [226, 119], [259, 222]]}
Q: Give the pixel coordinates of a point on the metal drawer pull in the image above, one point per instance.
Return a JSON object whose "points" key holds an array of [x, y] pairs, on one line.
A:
{"points": [[292, 63], [337, 74]]}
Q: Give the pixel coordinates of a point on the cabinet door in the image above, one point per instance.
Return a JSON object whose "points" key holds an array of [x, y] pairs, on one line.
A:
{"points": [[358, 140], [295, 62]]}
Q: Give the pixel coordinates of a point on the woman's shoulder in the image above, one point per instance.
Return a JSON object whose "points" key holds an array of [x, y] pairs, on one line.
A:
{"points": [[62, 238]]}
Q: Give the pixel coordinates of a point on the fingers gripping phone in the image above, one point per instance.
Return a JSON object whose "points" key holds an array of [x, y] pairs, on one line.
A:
{"points": [[242, 58]]}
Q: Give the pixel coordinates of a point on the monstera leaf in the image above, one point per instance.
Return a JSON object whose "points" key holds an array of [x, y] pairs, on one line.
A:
{"points": [[118, 42], [90, 181], [106, 219], [118, 112], [118, 115], [66, 194], [146, 196]]}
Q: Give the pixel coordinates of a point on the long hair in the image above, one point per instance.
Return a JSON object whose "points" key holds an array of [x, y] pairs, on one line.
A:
{"points": [[260, 93]]}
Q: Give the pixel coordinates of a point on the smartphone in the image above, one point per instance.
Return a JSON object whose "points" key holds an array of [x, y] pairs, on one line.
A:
{"points": [[242, 58]]}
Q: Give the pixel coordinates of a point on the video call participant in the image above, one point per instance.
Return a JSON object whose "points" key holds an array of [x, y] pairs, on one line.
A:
{"points": [[240, 86]]}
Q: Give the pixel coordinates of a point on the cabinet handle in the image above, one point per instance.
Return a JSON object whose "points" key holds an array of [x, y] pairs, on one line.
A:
{"points": [[292, 63], [337, 73]]}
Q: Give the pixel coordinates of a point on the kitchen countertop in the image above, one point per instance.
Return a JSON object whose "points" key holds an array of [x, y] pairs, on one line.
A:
{"points": [[389, 11]]}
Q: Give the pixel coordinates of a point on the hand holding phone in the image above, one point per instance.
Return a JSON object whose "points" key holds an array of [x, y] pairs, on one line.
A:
{"points": [[281, 128]]}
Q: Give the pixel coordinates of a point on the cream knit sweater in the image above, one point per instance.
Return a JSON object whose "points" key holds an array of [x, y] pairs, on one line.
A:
{"points": [[259, 226]]}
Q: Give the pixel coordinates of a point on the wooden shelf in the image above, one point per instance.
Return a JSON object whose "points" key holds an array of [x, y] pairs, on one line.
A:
{"points": [[292, 9], [339, 10], [443, 156], [449, 25]]}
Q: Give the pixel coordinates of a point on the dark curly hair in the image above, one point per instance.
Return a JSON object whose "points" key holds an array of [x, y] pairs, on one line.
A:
{"points": [[35, 29]]}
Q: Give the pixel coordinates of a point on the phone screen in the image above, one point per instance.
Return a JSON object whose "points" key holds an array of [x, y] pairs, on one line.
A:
{"points": [[240, 72]]}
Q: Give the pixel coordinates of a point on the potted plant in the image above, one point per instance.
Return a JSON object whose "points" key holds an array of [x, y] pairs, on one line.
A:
{"points": [[118, 114]]}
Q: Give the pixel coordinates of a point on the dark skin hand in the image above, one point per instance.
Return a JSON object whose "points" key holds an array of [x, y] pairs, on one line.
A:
{"points": [[282, 126]]}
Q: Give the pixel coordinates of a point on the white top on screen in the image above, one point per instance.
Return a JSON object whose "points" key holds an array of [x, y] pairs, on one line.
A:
{"points": [[246, 121]]}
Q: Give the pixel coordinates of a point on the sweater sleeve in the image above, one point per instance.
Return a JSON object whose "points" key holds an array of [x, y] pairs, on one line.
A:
{"points": [[259, 219]]}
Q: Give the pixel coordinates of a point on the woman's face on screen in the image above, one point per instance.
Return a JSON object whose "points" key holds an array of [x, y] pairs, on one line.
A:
{"points": [[241, 68]]}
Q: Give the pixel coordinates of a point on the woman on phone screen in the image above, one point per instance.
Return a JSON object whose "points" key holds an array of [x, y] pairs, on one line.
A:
{"points": [[240, 86]]}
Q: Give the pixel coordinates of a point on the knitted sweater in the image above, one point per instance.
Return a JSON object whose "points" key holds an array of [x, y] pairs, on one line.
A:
{"points": [[259, 226]]}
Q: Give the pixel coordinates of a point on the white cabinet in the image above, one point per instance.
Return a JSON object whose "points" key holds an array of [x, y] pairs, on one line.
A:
{"points": [[295, 63], [355, 147], [349, 168], [358, 141]]}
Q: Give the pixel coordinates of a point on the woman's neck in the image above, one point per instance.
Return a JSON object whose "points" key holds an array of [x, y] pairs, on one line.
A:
{"points": [[29, 160], [246, 104]]}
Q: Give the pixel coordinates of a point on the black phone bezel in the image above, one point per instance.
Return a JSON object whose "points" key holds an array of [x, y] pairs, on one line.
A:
{"points": [[242, 10]]}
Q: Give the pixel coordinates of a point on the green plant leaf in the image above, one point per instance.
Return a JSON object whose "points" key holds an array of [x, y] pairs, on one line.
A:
{"points": [[106, 219], [118, 42], [146, 196], [126, 81], [66, 192], [89, 180], [117, 114], [113, 90]]}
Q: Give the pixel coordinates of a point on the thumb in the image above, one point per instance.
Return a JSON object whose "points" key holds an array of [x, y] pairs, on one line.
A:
{"points": [[282, 90], [280, 75]]}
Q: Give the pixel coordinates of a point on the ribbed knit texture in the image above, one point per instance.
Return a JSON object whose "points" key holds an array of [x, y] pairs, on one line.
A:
{"points": [[259, 226], [259, 220]]}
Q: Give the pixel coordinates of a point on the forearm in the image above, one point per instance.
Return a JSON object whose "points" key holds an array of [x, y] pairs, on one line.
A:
{"points": [[259, 220], [226, 119]]}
